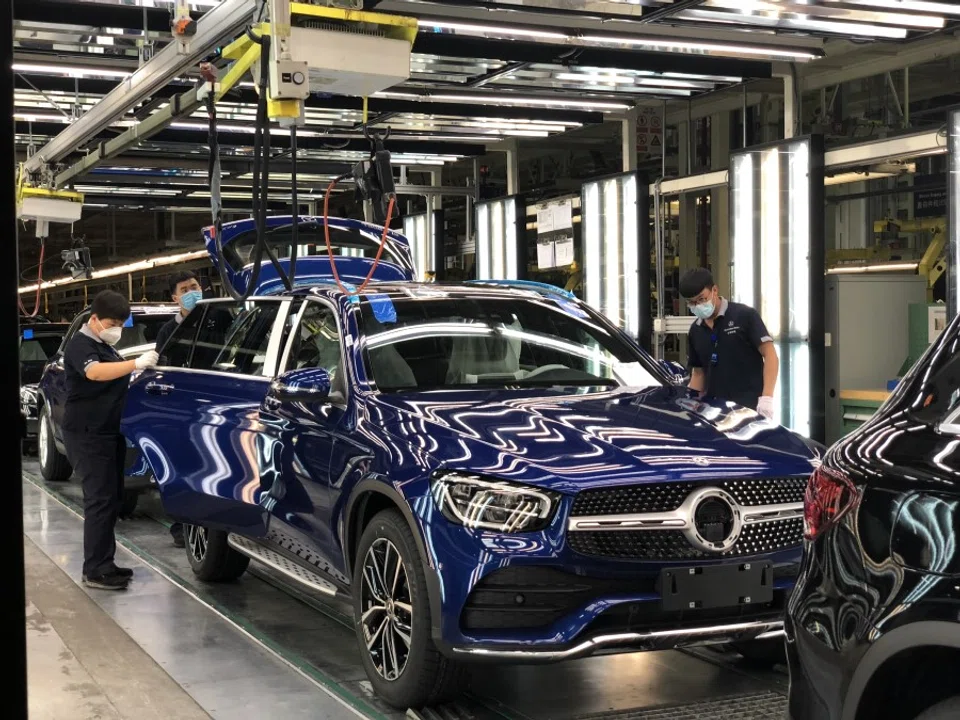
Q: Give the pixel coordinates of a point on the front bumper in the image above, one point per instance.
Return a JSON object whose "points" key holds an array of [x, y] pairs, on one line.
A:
{"points": [[630, 642]]}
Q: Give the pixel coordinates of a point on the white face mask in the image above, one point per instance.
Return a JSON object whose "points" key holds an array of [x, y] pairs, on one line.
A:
{"points": [[111, 336]]}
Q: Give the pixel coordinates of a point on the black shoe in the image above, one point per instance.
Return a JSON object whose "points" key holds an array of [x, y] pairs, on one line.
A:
{"points": [[122, 572], [106, 582], [176, 532]]}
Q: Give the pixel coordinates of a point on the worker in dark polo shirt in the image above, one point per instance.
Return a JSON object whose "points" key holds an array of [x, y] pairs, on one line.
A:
{"points": [[97, 379], [731, 355]]}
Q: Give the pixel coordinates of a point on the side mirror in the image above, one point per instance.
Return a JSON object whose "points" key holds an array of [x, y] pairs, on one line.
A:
{"points": [[308, 384], [677, 371]]}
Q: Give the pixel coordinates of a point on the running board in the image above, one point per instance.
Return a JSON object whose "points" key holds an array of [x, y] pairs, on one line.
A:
{"points": [[280, 563]]}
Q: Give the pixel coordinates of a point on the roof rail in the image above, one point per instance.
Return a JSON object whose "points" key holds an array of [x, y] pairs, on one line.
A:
{"points": [[543, 288]]}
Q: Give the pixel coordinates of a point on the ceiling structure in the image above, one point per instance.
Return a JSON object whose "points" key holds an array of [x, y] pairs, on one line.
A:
{"points": [[483, 71]]}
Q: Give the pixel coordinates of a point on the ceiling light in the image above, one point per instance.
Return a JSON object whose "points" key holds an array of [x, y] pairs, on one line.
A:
{"points": [[535, 102], [596, 78], [698, 46], [139, 266], [880, 267], [77, 72], [920, 6], [851, 19], [427, 24], [828, 26]]}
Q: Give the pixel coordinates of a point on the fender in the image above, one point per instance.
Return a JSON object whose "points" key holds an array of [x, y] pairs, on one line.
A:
{"points": [[934, 632], [372, 484]]}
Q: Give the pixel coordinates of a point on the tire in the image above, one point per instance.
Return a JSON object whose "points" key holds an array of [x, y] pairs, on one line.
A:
{"points": [[947, 710], [763, 653], [210, 557], [129, 503], [54, 466], [421, 676]]}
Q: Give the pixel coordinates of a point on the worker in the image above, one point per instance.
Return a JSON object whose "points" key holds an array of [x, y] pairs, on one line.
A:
{"points": [[185, 290], [730, 352], [97, 378]]}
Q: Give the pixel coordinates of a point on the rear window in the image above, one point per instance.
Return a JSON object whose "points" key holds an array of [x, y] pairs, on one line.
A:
{"points": [[311, 241], [39, 348]]}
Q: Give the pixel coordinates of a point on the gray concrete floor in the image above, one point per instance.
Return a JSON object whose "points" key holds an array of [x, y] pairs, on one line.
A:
{"points": [[81, 665]]}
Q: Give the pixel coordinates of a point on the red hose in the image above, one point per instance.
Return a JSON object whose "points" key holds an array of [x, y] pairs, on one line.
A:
{"points": [[36, 305], [326, 231]]}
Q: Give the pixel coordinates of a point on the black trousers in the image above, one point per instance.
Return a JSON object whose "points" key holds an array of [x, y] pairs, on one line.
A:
{"points": [[98, 460]]}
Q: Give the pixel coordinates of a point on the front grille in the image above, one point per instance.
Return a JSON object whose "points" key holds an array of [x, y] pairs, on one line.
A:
{"points": [[536, 597], [664, 497], [673, 545]]}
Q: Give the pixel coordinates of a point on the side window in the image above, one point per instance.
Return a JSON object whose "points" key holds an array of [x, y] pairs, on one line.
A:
{"points": [[316, 341], [176, 352], [244, 350]]}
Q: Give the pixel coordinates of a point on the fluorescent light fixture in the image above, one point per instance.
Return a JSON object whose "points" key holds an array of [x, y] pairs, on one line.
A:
{"points": [[558, 102], [610, 219], [497, 245], [874, 268], [418, 229], [69, 71], [953, 224], [658, 44], [855, 29], [426, 24], [135, 267], [908, 6], [851, 19], [770, 214]]}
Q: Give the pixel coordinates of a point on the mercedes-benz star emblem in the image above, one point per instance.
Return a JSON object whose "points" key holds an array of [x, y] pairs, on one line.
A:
{"points": [[715, 520]]}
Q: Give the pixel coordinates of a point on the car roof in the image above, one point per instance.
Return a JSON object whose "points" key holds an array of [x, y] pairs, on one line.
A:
{"points": [[424, 291]]}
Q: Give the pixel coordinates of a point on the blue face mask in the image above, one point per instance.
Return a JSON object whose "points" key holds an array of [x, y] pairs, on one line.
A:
{"points": [[704, 311], [188, 301]]}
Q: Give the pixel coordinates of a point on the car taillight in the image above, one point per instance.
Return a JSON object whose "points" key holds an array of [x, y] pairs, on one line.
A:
{"points": [[828, 498]]}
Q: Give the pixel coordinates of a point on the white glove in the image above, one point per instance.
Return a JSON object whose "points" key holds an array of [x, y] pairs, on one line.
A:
{"points": [[765, 407], [148, 360]]}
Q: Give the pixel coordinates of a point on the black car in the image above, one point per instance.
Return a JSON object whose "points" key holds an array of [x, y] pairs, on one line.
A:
{"points": [[873, 626], [39, 341]]}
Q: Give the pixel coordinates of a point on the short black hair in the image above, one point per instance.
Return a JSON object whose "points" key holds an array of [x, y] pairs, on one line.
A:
{"points": [[110, 305], [695, 282], [180, 277]]}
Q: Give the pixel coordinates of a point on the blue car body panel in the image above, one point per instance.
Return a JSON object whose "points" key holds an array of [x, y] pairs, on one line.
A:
{"points": [[297, 470], [313, 269]]}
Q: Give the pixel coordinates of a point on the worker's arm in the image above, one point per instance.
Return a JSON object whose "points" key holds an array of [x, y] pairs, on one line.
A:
{"points": [[697, 379], [771, 368], [106, 371]]}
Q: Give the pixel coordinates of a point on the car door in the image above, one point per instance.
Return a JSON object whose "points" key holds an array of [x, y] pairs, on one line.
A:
{"points": [[196, 416], [301, 437]]}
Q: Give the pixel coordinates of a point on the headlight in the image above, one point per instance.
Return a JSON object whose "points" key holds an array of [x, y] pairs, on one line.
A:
{"points": [[493, 505]]}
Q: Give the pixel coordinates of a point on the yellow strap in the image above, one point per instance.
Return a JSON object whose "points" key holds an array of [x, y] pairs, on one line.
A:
{"points": [[364, 109]]}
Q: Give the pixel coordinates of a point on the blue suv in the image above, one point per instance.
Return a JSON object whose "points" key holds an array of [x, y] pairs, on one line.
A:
{"points": [[487, 472]]}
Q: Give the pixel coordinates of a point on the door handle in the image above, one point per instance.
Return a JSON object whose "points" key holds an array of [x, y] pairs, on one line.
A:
{"points": [[155, 388]]}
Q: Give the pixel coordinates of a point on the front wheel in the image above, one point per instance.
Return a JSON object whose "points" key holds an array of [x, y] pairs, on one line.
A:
{"points": [[54, 466], [210, 555], [392, 618]]}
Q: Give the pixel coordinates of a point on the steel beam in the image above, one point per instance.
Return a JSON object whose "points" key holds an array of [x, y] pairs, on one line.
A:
{"points": [[223, 21]]}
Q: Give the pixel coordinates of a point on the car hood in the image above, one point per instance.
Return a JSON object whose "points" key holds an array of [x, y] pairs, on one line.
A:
{"points": [[568, 442]]}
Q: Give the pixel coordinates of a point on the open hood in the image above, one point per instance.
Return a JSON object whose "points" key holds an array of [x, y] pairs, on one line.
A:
{"points": [[354, 245]]}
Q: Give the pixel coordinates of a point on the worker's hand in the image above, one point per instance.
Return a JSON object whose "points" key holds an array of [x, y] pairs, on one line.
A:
{"points": [[148, 360], [765, 407]]}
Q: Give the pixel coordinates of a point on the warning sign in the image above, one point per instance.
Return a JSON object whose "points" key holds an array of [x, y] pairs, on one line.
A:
{"points": [[649, 134]]}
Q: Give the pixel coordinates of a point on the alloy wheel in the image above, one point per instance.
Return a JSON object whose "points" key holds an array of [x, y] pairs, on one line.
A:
{"points": [[197, 542], [387, 619], [43, 444]]}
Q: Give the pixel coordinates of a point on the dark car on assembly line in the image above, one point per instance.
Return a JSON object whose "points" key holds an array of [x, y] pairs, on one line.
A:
{"points": [[873, 625]]}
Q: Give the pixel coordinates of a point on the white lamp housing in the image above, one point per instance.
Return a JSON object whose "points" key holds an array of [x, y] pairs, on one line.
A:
{"points": [[497, 249]]}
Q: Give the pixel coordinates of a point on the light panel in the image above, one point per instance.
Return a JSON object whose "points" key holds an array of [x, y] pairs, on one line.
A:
{"points": [[418, 229], [771, 195], [497, 240], [611, 240]]}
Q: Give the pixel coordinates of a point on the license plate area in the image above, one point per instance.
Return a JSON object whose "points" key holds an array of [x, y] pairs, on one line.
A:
{"points": [[716, 586]]}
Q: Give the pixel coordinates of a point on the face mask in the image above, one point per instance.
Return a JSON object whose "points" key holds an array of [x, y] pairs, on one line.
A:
{"points": [[111, 336], [188, 301], [704, 311]]}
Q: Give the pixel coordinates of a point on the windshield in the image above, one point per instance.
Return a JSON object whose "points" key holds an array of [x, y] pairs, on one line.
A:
{"points": [[311, 242], [440, 341]]}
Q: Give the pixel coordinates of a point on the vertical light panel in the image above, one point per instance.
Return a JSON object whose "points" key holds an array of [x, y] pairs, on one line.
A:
{"points": [[482, 245], [742, 236], [591, 244], [953, 249], [497, 240], [417, 230], [771, 215], [611, 249]]}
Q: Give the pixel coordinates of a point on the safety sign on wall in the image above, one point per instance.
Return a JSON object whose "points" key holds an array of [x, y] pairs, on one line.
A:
{"points": [[555, 234], [649, 133]]}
